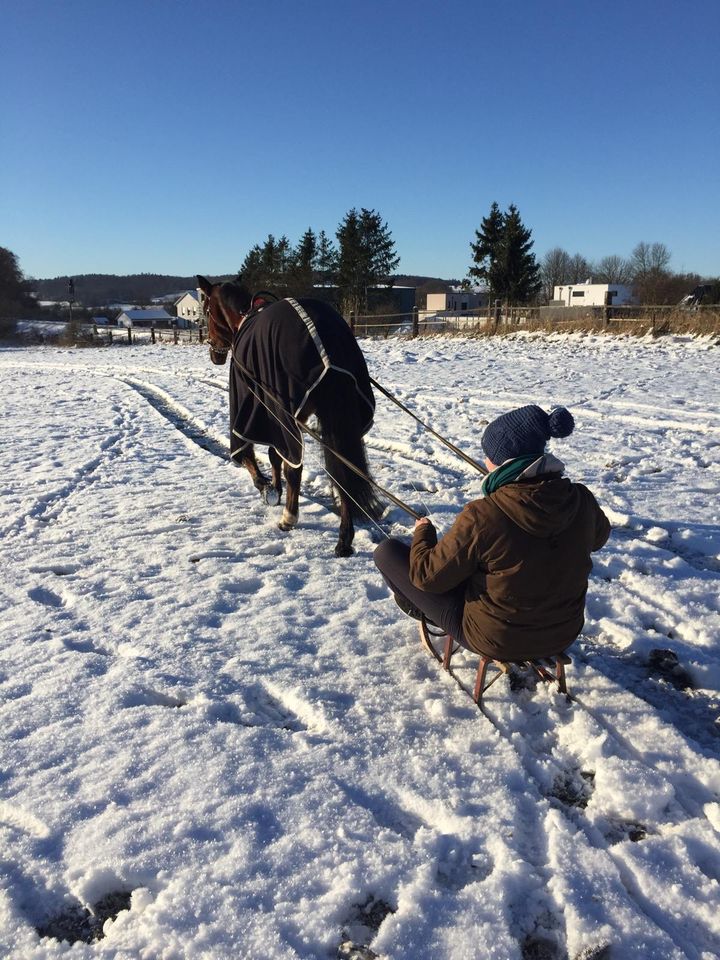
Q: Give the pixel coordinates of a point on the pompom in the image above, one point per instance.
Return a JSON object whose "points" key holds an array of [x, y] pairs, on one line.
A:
{"points": [[560, 422]]}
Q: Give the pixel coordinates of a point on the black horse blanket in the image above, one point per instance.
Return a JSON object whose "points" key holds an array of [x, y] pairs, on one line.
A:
{"points": [[280, 355]]}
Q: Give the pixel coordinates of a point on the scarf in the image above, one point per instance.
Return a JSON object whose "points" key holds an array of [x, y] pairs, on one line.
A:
{"points": [[530, 466]]}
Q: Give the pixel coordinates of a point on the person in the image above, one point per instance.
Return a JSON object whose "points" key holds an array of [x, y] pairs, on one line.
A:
{"points": [[509, 578]]}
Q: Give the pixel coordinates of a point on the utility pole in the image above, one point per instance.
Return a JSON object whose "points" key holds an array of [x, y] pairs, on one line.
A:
{"points": [[71, 296]]}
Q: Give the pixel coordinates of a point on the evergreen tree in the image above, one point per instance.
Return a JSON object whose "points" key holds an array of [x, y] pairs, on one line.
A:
{"points": [[270, 266], [326, 260], [485, 250], [521, 272], [252, 270], [304, 260], [366, 257], [503, 256], [14, 288]]}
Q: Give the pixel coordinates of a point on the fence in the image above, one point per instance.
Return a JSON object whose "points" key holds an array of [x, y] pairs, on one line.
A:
{"points": [[41, 331], [503, 318], [484, 321]]}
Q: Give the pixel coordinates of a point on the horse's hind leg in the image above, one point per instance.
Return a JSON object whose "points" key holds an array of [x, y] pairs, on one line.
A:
{"points": [[293, 476], [250, 463], [344, 547], [273, 493]]}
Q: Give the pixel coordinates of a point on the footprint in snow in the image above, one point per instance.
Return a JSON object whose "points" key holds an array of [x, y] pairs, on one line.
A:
{"points": [[46, 597], [77, 924], [573, 788], [362, 923]]}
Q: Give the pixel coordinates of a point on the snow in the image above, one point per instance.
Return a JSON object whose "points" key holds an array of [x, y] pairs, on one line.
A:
{"points": [[239, 737]]}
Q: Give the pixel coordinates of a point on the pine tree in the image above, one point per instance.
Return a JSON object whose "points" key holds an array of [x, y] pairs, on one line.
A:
{"points": [[14, 288], [485, 250], [252, 271], [520, 271], [326, 261], [366, 256], [503, 258], [303, 269]]}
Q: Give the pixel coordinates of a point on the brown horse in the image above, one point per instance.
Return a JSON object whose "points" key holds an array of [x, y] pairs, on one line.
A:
{"points": [[291, 359]]}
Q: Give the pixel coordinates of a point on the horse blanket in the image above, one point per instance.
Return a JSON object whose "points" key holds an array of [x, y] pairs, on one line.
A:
{"points": [[280, 355]]}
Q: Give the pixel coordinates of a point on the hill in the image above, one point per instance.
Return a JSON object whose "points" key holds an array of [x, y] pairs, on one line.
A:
{"points": [[98, 289], [101, 289]]}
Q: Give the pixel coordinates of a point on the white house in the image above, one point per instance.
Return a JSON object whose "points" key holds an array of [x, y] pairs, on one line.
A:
{"points": [[589, 294], [155, 317], [188, 306]]}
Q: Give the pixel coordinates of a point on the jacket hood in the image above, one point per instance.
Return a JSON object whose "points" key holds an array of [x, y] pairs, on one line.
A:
{"points": [[541, 506]]}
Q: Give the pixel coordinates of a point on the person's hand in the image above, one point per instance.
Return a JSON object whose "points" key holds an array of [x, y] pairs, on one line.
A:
{"points": [[422, 522]]}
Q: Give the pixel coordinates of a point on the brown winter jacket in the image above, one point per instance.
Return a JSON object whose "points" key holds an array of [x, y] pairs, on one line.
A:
{"points": [[524, 554]]}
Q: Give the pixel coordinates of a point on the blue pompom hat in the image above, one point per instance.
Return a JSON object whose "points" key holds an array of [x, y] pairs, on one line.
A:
{"points": [[524, 431]]}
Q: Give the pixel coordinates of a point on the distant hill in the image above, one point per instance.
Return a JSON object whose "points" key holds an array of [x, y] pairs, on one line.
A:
{"points": [[98, 289]]}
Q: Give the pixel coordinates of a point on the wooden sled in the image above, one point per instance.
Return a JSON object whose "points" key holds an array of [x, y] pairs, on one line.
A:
{"points": [[548, 669]]}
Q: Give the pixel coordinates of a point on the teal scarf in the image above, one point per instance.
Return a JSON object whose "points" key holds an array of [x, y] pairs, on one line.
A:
{"points": [[506, 473]]}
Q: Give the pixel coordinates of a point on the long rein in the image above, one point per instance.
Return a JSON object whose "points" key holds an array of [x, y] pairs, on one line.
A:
{"points": [[250, 379]]}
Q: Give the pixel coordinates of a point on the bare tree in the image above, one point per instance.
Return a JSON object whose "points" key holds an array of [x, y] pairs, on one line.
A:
{"points": [[579, 269], [554, 270], [613, 269], [648, 258], [649, 263]]}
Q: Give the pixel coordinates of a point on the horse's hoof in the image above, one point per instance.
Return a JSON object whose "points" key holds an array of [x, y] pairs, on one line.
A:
{"points": [[343, 551], [285, 526], [271, 496]]}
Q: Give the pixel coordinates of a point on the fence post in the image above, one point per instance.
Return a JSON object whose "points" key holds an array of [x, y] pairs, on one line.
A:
{"points": [[352, 322], [415, 322], [606, 307], [175, 334], [200, 333], [130, 335], [152, 334], [497, 312]]}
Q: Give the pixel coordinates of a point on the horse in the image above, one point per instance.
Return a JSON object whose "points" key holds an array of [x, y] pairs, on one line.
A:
{"points": [[291, 359]]}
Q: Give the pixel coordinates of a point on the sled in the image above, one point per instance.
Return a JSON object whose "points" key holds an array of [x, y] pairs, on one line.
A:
{"points": [[548, 669]]}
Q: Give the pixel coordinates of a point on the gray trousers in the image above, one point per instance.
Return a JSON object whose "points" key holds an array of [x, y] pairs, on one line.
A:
{"points": [[445, 610]]}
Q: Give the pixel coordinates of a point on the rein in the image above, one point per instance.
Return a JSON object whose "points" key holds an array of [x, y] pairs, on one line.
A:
{"points": [[316, 436], [451, 446]]}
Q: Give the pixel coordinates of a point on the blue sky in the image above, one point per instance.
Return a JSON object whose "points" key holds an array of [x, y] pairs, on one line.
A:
{"points": [[169, 137]]}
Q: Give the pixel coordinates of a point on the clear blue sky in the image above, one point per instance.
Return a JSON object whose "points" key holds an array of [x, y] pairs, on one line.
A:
{"points": [[169, 136]]}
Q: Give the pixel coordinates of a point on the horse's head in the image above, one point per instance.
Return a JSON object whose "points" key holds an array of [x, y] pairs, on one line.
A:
{"points": [[224, 306]]}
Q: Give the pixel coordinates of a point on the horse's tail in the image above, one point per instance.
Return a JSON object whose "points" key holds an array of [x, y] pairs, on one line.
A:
{"points": [[342, 420]]}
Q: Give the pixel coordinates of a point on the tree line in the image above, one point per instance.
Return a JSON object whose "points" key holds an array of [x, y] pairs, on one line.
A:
{"points": [[503, 260], [362, 259]]}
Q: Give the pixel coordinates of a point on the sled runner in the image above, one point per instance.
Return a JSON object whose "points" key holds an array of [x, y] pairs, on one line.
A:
{"points": [[547, 669]]}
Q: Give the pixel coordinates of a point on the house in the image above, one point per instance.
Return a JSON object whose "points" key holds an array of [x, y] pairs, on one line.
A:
{"points": [[188, 308], [145, 318], [456, 305], [455, 301], [589, 294]]}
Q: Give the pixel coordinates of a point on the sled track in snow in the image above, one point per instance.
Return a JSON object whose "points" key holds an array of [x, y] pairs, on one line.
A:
{"points": [[178, 416], [569, 794], [378, 444], [48, 507]]}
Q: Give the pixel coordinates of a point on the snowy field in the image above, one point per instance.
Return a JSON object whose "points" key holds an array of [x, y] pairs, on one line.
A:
{"points": [[234, 744]]}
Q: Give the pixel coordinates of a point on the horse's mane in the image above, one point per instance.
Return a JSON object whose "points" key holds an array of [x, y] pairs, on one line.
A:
{"points": [[235, 296]]}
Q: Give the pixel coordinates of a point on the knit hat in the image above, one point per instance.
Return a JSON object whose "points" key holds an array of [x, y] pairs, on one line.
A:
{"points": [[524, 431]]}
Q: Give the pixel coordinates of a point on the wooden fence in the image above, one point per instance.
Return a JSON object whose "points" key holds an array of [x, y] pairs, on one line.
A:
{"points": [[505, 318], [484, 321]]}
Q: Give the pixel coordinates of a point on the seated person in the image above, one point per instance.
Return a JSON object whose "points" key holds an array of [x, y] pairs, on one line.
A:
{"points": [[509, 578]]}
